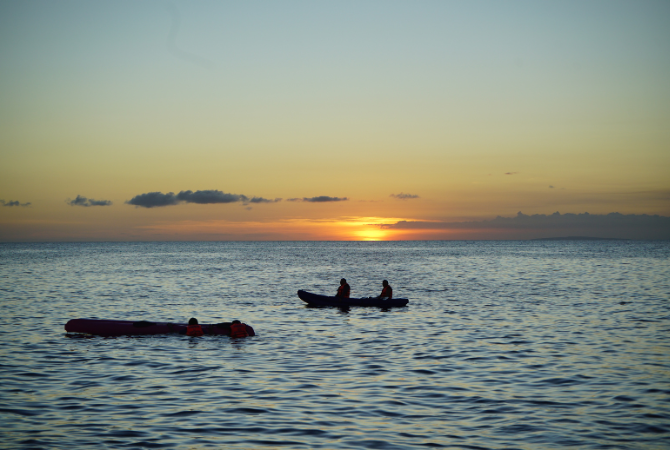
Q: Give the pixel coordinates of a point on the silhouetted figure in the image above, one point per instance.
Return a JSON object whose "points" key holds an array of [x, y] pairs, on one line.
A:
{"points": [[344, 291], [193, 328], [387, 291], [238, 329]]}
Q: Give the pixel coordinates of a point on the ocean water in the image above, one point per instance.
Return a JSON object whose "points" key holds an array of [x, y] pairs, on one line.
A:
{"points": [[504, 345]]}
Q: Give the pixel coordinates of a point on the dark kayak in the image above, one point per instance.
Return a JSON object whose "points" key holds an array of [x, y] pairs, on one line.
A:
{"points": [[324, 300], [130, 328]]}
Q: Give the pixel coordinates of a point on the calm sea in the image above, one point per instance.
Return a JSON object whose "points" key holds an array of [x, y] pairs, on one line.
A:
{"points": [[504, 345]]}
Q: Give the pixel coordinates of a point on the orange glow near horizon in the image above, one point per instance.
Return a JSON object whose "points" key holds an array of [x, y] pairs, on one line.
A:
{"points": [[342, 229], [366, 228], [372, 235]]}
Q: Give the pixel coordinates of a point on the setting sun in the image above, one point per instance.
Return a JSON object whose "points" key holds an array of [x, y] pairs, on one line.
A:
{"points": [[366, 228], [371, 234]]}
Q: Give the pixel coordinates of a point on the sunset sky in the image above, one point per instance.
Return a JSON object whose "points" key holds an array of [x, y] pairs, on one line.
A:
{"points": [[334, 120]]}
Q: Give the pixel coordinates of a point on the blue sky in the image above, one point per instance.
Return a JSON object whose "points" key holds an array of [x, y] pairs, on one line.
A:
{"points": [[478, 109]]}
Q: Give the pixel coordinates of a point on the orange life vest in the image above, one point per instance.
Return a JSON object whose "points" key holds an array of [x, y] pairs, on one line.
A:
{"points": [[194, 330], [344, 291], [387, 292], [238, 330]]}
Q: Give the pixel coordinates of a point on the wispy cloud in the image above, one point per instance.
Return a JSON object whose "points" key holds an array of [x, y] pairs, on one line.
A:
{"points": [[172, 41], [210, 196], [613, 225], [264, 200], [14, 203], [319, 199], [83, 201], [403, 196]]}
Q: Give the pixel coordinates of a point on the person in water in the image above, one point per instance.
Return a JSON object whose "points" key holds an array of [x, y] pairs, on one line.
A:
{"points": [[344, 291], [387, 291], [238, 329], [193, 328]]}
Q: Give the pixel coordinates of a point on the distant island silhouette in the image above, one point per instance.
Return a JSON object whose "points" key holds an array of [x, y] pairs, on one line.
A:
{"points": [[578, 238]]}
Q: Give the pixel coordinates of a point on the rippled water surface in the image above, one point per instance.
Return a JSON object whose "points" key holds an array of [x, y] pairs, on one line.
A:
{"points": [[504, 345]]}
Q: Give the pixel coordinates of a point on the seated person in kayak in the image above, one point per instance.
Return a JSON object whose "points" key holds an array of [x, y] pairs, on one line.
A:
{"points": [[238, 329], [387, 291], [193, 328], [344, 291]]}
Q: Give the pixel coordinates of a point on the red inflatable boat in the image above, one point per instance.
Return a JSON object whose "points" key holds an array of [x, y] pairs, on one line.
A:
{"points": [[142, 327]]}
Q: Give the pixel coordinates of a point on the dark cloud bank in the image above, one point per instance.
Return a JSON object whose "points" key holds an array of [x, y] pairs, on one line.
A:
{"points": [[539, 226], [155, 199], [13, 203], [83, 201], [319, 199]]}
